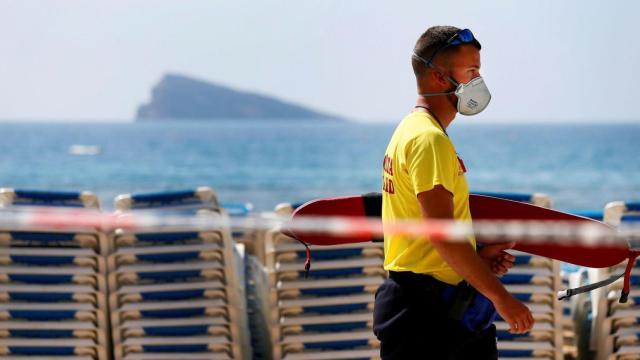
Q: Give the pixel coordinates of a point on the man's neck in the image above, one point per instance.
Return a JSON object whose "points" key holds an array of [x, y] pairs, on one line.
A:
{"points": [[440, 109]]}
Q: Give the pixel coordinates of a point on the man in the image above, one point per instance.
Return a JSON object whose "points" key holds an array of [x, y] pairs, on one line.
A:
{"points": [[424, 178]]}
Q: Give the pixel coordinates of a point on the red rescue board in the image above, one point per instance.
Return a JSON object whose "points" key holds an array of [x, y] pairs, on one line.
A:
{"points": [[482, 208], [491, 208]]}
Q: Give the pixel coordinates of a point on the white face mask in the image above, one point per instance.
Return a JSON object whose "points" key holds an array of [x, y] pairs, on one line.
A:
{"points": [[473, 97]]}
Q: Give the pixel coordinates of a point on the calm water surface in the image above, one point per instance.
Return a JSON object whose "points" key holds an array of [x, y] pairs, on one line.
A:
{"points": [[580, 166]]}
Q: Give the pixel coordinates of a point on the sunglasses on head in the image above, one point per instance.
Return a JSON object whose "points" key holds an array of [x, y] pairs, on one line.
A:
{"points": [[464, 36]]}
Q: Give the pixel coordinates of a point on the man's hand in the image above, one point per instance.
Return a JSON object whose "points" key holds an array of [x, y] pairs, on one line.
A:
{"points": [[515, 313], [496, 258]]}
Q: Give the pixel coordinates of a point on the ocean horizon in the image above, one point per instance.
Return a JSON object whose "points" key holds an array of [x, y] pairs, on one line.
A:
{"points": [[580, 166]]}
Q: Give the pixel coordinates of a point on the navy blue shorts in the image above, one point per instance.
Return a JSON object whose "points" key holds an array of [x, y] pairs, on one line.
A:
{"points": [[412, 322]]}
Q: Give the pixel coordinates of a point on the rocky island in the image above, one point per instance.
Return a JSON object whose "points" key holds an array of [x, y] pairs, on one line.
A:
{"points": [[181, 97]]}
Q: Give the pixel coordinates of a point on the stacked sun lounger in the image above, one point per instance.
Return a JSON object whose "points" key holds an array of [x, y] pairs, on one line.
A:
{"points": [[255, 281], [178, 292], [616, 330], [535, 281], [579, 306], [52, 284], [258, 308], [328, 315]]}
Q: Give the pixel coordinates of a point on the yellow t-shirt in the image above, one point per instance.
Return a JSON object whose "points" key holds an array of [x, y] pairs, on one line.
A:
{"points": [[420, 156]]}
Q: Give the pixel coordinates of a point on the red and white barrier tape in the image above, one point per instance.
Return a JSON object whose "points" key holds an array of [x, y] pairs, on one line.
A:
{"points": [[564, 232]]}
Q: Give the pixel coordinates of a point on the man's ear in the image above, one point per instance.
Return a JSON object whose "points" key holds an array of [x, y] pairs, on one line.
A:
{"points": [[437, 77]]}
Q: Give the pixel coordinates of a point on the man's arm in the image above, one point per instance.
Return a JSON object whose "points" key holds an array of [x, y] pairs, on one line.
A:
{"points": [[496, 258], [437, 203]]}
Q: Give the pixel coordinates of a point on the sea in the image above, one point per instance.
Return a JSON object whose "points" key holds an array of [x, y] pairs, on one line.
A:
{"points": [[266, 162]]}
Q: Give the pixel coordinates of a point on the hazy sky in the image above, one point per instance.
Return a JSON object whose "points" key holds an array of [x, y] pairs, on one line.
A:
{"points": [[97, 60]]}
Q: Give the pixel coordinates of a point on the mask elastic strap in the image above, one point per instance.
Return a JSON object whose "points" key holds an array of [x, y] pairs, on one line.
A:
{"points": [[451, 80], [429, 64], [437, 94]]}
